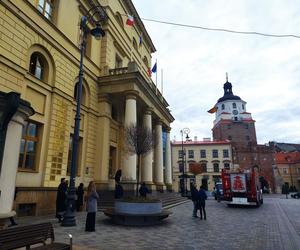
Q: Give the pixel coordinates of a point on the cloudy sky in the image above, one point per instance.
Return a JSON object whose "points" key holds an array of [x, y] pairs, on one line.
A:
{"points": [[264, 71]]}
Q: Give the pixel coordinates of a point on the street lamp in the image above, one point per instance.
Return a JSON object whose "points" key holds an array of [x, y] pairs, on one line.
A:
{"points": [[69, 216], [183, 162]]}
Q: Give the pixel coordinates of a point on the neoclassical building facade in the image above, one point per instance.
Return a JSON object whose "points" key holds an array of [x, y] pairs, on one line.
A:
{"points": [[39, 59]]}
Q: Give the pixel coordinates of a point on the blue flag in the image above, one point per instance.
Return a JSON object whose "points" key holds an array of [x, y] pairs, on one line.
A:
{"points": [[154, 69]]}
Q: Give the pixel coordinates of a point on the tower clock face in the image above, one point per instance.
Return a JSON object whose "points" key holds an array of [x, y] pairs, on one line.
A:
{"points": [[235, 112]]}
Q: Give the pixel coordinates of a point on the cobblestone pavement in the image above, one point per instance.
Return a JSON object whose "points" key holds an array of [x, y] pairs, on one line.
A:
{"points": [[275, 225]]}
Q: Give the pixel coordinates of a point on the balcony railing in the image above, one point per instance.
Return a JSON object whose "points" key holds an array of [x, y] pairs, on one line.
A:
{"points": [[118, 71]]}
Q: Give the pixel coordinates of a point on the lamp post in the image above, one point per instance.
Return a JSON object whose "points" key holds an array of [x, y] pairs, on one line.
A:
{"points": [[69, 216], [183, 162]]}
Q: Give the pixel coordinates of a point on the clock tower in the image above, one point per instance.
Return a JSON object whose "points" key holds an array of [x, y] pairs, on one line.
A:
{"points": [[233, 122]]}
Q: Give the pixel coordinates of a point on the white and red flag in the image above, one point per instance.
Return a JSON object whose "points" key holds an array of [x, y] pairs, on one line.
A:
{"points": [[130, 20]]}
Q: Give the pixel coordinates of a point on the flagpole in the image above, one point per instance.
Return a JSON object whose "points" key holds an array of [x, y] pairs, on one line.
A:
{"points": [[162, 81], [156, 78]]}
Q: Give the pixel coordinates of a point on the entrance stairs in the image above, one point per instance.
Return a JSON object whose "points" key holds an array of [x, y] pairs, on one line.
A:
{"points": [[169, 199]]}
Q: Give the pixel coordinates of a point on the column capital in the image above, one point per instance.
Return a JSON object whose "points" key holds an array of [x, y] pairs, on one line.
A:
{"points": [[159, 122], [131, 94], [104, 97], [168, 129], [148, 111]]}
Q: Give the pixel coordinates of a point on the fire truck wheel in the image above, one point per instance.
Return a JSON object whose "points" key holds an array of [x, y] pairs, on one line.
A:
{"points": [[262, 201]]}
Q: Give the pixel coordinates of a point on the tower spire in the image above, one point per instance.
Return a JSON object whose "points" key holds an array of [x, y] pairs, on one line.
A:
{"points": [[226, 77]]}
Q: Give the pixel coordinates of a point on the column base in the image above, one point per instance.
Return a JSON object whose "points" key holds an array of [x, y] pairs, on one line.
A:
{"points": [[102, 185], [169, 187], [160, 187], [4, 219]]}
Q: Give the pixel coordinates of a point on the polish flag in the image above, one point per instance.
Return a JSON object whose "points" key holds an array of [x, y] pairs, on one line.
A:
{"points": [[130, 20]]}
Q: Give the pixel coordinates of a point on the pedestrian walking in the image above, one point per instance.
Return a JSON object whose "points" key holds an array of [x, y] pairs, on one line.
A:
{"points": [[119, 191], [80, 194], [144, 190], [61, 199], [201, 202], [91, 207], [218, 194], [194, 194]]}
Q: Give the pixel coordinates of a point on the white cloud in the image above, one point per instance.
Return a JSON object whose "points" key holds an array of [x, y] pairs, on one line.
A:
{"points": [[264, 71]]}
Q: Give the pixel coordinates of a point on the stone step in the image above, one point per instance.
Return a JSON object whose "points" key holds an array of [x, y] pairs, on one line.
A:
{"points": [[168, 200]]}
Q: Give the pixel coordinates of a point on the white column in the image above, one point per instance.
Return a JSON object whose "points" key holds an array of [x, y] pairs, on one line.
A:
{"points": [[11, 159], [168, 168], [146, 171], [130, 161], [158, 169]]}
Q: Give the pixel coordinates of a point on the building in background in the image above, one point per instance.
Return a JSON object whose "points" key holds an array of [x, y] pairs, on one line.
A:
{"points": [[287, 165], [39, 58], [233, 122], [210, 156]]}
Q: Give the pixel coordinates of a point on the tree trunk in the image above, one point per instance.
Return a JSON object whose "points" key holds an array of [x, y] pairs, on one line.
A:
{"points": [[138, 174]]}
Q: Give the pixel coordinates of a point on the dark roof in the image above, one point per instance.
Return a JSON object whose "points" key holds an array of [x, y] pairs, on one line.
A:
{"points": [[286, 147], [228, 95]]}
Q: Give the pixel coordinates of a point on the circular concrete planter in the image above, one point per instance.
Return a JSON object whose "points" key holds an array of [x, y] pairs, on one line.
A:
{"points": [[137, 208]]}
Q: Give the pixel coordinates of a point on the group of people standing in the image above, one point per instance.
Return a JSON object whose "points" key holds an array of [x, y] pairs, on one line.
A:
{"points": [[198, 198], [90, 200]]}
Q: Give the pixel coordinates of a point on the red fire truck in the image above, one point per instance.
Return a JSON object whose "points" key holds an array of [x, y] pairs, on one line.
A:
{"points": [[242, 187]]}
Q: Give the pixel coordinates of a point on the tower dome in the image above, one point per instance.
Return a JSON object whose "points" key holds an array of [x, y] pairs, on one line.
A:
{"points": [[228, 95]]}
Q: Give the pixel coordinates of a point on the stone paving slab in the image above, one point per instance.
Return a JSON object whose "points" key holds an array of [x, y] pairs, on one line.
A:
{"points": [[267, 227]]}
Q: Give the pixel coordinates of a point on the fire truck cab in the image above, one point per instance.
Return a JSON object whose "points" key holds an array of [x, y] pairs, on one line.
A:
{"points": [[242, 187]]}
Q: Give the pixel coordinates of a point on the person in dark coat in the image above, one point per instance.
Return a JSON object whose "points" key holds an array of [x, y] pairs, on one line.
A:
{"points": [[91, 207], [119, 191], [118, 176], [194, 194], [80, 194], [143, 190], [201, 201], [61, 198]]}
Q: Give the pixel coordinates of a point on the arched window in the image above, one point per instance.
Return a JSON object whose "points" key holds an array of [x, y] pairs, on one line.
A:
{"points": [[145, 60], [223, 106], [216, 167], [243, 106], [38, 66], [83, 94], [119, 19], [234, 105], [134, 43]]}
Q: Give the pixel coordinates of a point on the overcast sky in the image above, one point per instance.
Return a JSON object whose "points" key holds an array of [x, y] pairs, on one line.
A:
{"points": [[264, 71]]}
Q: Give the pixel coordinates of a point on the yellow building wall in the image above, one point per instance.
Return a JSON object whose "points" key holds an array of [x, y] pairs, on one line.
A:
{"points": [[23, 31]]}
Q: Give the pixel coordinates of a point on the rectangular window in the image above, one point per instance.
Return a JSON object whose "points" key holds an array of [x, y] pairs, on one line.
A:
{"points": [[225, 153], [215, 153], [46, 8], [180, 155], [298, 170], [78, 155], [29, 143], [216, 167], [285, 170], [180, 166], [191, 153], [203, 153]]}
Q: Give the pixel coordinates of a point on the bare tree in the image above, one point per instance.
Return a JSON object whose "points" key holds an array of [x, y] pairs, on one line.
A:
{"points": [[139, 141]]}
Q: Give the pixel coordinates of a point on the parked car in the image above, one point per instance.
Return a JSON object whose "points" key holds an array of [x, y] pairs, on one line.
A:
{"points": [[296, 195]]}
